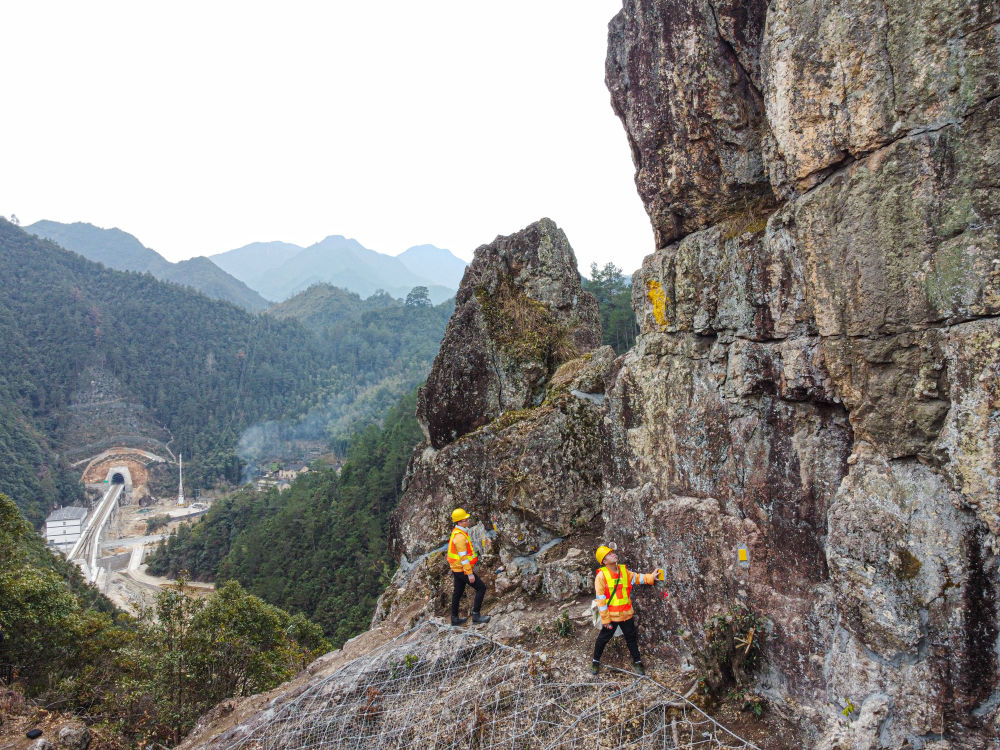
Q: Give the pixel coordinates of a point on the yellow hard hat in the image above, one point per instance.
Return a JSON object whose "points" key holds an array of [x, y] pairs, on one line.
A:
{"points": [[459, 514], [601, 553]]}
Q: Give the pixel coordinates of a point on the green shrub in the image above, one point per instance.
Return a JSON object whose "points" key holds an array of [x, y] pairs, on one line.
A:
{"points": [[733, 650]]}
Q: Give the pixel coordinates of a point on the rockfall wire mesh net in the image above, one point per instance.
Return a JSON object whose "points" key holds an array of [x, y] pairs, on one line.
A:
{"points": [[440, 687]]}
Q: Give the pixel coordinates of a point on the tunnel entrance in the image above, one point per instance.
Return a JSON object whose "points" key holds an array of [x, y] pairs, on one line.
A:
{"points": [[117, 479]]}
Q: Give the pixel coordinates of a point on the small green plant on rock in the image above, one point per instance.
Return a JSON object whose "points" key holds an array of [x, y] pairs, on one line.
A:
{"points": [[524, 328], [750, 216], [563, 626], [907, 566], [410, 660], [749, 701], [512, 416], [848, 710]]}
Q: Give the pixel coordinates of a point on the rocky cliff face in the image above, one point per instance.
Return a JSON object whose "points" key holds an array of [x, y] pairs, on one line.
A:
{"points": [[519, 313], [818, 375]]}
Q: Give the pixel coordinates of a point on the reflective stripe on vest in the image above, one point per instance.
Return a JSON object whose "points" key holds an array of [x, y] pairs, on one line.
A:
{"points": [[617, 594], [458, 557]]}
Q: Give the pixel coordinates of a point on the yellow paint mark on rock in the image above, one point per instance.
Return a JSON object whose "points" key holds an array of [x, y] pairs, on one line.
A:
{"points": [[658, 299]]}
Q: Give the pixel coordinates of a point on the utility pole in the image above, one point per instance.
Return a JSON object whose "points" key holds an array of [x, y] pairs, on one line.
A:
{"points": [[180, 483]]}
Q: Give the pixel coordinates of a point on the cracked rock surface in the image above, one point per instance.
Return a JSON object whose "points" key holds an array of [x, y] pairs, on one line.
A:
{"points": [[818, 375]]}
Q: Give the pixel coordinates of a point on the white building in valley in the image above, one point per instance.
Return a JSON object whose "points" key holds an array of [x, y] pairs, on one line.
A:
{"points": [[63, 527]]}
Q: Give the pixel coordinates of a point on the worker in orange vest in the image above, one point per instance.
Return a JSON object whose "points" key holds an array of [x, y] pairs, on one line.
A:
{"points": [[462, 557], [612, 586]]}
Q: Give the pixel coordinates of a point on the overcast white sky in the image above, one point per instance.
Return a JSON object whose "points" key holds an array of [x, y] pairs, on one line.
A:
{"points": [[201, 126]]}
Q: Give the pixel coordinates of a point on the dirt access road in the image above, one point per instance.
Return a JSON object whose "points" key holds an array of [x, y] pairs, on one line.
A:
{"points": [[130, 587]]}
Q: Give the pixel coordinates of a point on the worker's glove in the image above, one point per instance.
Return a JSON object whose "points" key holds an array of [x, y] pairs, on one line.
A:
{"points": [[609, 626], [472, 577], [659, 574]]}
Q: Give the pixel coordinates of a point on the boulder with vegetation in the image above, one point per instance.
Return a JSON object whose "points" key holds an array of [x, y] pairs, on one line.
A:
{"points": [[519, 314], [520, 455]]}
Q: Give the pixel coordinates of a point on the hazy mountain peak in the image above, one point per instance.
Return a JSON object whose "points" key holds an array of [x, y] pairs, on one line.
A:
{"points": [[122, 251], [279, 270], [337, 242], [440, 264]]}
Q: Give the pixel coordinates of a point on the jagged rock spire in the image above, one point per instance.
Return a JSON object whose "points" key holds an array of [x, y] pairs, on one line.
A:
{"points": [[519, 313]]}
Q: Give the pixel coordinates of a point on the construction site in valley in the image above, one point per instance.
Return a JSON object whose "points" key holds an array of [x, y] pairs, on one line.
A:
{"points": [[117, 533]]}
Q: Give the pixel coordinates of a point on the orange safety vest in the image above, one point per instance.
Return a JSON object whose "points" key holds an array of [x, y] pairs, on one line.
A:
{"points": [[617, 589], [461, 555]]}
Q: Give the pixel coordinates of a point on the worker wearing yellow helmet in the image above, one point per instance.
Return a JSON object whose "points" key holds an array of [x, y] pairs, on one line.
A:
{"points": [[462, 557], [612, 587]]}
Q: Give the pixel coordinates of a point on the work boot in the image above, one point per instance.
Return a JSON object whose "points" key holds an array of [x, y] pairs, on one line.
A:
{"points": [[479, 619], [458, 620], [595, 667], [639, 669]]}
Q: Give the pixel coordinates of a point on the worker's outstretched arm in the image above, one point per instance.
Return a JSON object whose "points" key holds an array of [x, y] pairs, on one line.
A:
{"points": [[647, 578]]}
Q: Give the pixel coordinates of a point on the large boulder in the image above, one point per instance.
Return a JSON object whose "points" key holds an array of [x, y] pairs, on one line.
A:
{"points": [[74, 736], [520, 313], [512, 415]]}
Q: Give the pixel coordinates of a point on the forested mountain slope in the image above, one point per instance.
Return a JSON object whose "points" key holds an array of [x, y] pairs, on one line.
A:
{"points": [[133, 679], [380, 349], [320, 547], [205, 369], [323, 306]]}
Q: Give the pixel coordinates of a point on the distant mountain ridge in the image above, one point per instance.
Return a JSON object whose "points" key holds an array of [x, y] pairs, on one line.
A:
{"points": [[112, 247], [255, 259], [254, 275], [279, 270], [121, 251]]}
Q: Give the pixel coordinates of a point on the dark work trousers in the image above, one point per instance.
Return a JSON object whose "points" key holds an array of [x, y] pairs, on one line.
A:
{"points": [[461, 580], [631, 639]]}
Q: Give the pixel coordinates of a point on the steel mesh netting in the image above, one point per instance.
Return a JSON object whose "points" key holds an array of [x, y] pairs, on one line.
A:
{"points": [[440, 687]]}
